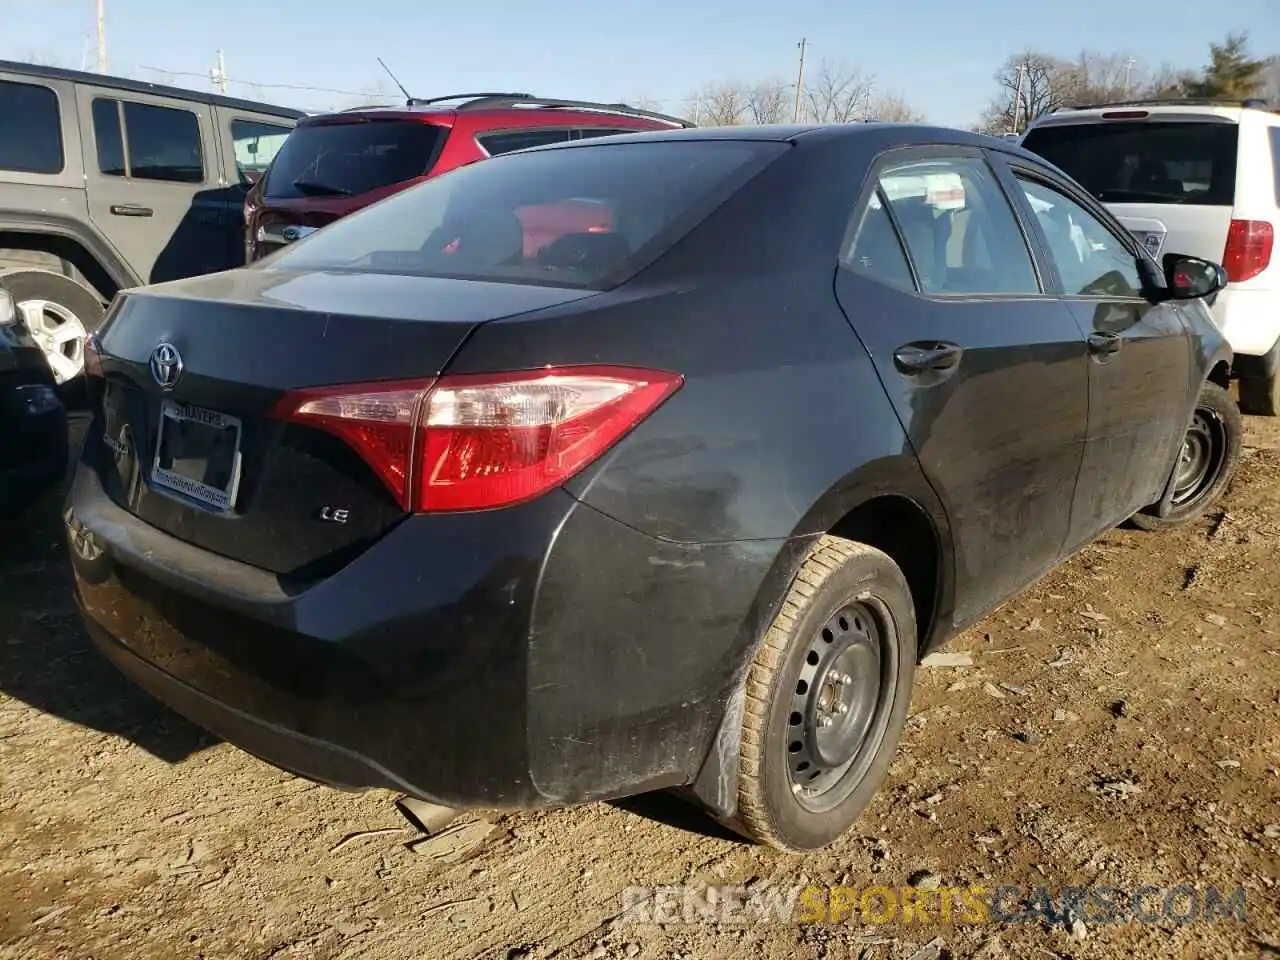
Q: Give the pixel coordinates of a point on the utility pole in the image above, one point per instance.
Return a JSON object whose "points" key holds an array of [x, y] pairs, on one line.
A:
{"points": [[102, 36], [803, 44], [1017, 97], [1128, 75], [219, 74]]}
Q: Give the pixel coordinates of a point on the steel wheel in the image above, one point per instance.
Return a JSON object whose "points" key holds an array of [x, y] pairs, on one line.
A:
{"points": [[825, 698], [1205, 464], [839, 706], [1200, 460], [59, 333]]}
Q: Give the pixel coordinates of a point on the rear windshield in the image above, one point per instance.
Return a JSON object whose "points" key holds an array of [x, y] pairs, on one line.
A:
{"points": [[348, 159], [1145, 161], [577, 216]]}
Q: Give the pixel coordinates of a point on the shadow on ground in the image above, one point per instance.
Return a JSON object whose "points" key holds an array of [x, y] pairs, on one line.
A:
{"points": [[669, 809], [46, 659]]}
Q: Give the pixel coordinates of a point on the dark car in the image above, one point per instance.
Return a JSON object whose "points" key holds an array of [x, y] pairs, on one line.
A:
{"points": [[334, 164], [33, 421], [677, 504]]}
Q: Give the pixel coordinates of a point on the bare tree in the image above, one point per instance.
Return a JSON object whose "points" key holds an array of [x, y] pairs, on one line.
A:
{"points": [[1271, 81], [1167, 81], [837, 93], [767, 102], [375, 94], [43, 58], [643, 101], [893, 108], [1031, 85], [721, 104], [1097, 78]]}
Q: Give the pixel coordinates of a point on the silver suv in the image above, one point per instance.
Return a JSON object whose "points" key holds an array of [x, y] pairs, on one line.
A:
{"points": [[108, 183]]}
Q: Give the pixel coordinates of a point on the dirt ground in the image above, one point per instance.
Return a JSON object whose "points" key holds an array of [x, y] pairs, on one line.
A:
{"points": [[1117, 726]]}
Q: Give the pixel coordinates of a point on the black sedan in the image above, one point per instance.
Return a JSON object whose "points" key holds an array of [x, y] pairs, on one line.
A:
{"points": [[648, 462], [33, 421]]}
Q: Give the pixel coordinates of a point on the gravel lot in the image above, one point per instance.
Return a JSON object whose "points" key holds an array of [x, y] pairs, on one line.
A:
{"points": [[1117, 726]]}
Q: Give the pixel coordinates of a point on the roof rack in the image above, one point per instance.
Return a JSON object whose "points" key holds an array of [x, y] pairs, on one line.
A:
{"points": [[422, 102], [1256, 102], [489, 101], [498, 101]]}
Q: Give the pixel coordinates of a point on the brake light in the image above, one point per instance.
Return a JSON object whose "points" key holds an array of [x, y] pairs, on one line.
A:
{"points": [[1126, 115], [483, 441], [1248, 253]]}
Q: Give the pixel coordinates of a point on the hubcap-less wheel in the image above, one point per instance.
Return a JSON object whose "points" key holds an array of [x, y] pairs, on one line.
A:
{"points": [[839, 706], [1200, 459], [59, 333]]}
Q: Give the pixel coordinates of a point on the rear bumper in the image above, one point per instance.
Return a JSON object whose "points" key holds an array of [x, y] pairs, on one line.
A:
{"points": [[537, 656], [1250, 320]]}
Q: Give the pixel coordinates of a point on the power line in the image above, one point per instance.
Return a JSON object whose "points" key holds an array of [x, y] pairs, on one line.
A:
{"points": [[269, 86]]}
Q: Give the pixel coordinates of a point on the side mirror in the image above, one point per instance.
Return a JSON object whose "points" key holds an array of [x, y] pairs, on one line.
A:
{"points": [[1189, 278]]}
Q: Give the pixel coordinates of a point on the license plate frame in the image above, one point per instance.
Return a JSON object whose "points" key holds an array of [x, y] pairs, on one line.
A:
{"points": [[219, 499]]}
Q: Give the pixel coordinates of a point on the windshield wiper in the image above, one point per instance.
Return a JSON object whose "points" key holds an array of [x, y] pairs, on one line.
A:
{"points": [[313, 189]]}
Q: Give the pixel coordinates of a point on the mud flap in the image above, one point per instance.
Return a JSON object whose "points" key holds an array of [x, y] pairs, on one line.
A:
{"points": [[1165, 503], [716, 786]]}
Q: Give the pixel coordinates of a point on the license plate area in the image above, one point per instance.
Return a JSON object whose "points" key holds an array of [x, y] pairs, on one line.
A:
{"points": [[197, 455], [1153, 241]]}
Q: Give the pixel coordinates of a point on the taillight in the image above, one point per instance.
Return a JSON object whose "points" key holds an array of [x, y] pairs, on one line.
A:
{"points": [[482, 441], [1248, 253]]}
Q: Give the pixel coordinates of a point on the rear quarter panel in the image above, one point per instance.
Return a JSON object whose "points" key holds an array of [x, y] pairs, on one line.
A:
{"points": [[694, 525]]}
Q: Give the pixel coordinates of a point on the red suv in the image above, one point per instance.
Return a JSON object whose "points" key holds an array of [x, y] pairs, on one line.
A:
{"points": [[334, 164]]}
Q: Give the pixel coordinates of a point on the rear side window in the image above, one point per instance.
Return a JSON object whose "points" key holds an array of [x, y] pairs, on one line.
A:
{"points": [[348, 159], [256, 145], [876, 251], [152, 143], [498, 143], [30, 129], [958, 228], [1186, 162], [578, 217]]}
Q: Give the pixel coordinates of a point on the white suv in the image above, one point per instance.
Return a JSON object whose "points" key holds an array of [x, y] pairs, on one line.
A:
{"points": [[1192, 177]]}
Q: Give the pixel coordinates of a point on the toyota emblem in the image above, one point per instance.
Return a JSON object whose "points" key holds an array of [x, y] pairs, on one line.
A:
{"points": [[166, 365]]}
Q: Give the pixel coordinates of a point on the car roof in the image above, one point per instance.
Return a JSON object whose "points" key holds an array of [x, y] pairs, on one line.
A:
{"points": [[509, 106], [140, 86], [887, 135]]}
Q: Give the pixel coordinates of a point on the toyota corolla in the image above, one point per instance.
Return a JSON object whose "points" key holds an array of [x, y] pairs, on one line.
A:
{"points": [[676, 500]]}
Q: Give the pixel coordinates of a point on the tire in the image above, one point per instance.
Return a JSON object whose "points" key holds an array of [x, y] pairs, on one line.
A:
{"points": [[845, 635], [64, 311], [1260, 397], [1219, 428]]}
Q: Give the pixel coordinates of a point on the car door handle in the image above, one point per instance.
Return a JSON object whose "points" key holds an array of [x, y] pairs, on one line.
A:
{"points": [[1105, 344], [130, 210], [922, 357]]}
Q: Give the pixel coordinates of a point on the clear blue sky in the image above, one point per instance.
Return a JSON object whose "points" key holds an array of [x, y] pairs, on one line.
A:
{"points": [[940, 54]]}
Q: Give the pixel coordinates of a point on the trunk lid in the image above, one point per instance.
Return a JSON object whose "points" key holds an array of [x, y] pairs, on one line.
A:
{"points": [[299, 502]]}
